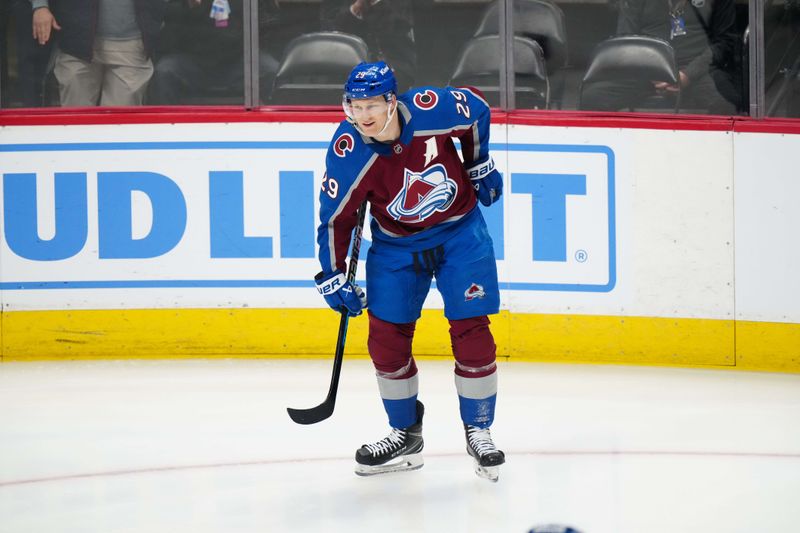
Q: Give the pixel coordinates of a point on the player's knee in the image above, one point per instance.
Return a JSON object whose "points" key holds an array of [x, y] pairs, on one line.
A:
{"points": [[390, 347], [473, 346]]}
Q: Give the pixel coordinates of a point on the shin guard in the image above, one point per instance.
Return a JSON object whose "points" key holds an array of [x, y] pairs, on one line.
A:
{"points": [[390, 349], [475, 370]]}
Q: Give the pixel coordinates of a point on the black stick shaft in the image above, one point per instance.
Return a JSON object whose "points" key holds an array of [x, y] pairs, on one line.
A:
{"points": [[325, 409]]}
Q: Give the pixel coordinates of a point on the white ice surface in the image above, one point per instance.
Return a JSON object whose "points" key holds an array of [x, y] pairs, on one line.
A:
{"points": [[206, 446]]}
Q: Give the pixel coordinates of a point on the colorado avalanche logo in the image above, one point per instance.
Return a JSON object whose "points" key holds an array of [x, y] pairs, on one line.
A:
{"points": [[423, 194], [474, 291], [343, 144], [426, 100]]}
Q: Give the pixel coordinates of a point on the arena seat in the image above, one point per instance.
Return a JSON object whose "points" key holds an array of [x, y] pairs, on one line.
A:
{"points": [[542, 21], [634, 58], [477, 66], [315, 66]]}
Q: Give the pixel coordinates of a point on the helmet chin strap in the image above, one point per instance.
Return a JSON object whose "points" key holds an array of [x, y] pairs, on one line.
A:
{"points": [[389, 116]]}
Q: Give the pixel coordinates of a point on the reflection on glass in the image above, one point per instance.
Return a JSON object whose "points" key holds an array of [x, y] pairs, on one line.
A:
{"points": [[387, 26], [314, 66], [479, 60], [782, 58], [705, 42], [24, 60], [420, 40], [130, 52], [98, 55], [201, 60], [191, 51], [322, 41]]}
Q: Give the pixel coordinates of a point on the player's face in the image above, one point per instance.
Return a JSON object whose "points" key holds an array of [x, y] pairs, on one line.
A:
{"points": [[370, 114]]}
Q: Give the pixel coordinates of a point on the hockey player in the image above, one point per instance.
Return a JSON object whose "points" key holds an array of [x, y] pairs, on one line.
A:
{"points": [[397, 152]]}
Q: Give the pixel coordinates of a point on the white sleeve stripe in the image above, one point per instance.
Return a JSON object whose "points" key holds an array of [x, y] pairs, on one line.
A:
{"points": [[423, 133], [476, 142], [476, 145]]}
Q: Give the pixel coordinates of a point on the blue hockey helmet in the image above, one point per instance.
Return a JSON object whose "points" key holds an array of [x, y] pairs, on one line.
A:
{"points": [[367, 80]]}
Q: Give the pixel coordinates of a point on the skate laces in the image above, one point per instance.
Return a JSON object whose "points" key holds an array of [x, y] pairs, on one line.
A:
{"points": [[395, 439], [480, 440]]}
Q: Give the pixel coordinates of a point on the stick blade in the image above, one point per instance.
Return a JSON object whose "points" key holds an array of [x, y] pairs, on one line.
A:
{"points": [[312, 415]]}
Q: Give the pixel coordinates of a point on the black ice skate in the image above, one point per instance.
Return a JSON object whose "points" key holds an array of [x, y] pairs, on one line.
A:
{"points": [[487, 457], [398, 452]]}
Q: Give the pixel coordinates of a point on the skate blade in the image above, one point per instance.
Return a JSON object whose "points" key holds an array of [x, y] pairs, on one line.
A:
{"points": [[405, 463], [492, 473]]}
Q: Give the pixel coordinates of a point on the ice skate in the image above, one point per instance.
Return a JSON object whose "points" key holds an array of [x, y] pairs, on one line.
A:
{"points": [[486, 455], [398, 452]]}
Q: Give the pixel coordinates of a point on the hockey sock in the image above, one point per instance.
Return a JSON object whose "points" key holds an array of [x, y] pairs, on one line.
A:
{"points": [[476, 399], [473, 347], [390, 349], [475, 370]]}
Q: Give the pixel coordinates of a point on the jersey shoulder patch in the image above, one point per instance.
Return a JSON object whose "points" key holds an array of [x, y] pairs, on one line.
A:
{"points": [[346, 145], [347, 155], [344, 141], [343, 144], [425, 99], [438, 108]]}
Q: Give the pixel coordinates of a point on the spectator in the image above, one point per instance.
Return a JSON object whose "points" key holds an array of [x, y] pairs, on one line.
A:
{"points": [[32, 57], [387, 26], [202, 52], [103, 47], [703, 35]]}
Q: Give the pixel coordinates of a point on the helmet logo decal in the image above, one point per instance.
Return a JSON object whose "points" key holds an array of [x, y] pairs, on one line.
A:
{"points": [[368, 80], [423, 194], [343, 144], [426, 100]]}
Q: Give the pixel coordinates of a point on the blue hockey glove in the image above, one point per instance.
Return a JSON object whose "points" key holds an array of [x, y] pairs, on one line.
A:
{"points": [[486, 179], [340, 294]]}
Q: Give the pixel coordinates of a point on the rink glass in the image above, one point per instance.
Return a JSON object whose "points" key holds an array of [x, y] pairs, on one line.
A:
{"points": [[428, 43]]}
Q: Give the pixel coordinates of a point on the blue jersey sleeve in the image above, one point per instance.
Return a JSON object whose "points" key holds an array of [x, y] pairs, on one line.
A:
{"points": [[475, 140], [340, 197]]}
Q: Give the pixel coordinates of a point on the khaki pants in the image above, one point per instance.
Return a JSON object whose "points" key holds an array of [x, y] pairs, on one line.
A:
{"points": [[117, 75]]}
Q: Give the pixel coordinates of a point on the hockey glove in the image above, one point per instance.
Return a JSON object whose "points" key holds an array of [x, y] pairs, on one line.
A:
{"points": [[340, 294], [486, 179]]}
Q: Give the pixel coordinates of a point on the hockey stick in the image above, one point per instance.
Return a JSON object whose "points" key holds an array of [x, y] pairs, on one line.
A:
{"points": [[325, 409]]}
